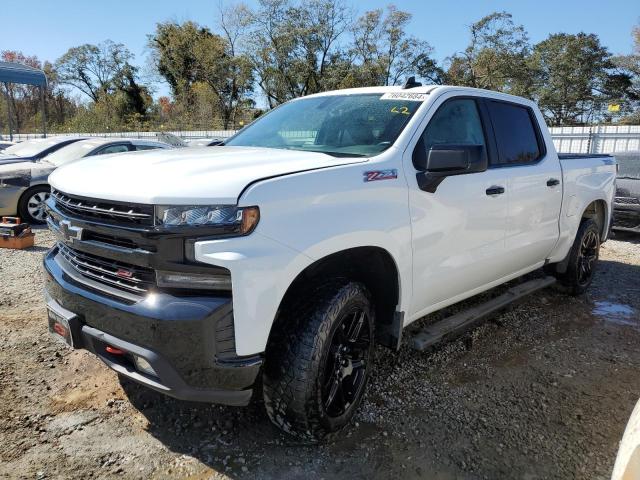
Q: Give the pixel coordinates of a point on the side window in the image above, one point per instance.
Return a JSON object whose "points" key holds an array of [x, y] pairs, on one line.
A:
{"points": [[456, 122], [113, 149], [145, 147], [515, 133]]}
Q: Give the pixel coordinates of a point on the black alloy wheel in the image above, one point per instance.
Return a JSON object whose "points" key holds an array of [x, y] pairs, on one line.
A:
{"points": [[587, 256], [346, 363]]}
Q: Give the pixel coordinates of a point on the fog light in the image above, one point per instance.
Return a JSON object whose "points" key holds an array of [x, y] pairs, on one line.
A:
{"points": [[193, 280], [143, 366]]}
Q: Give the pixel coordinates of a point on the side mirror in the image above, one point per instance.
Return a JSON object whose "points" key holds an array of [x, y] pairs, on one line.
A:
{"points": [[442, 161]]}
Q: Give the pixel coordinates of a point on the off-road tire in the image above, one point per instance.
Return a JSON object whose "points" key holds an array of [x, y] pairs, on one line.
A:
{"points": [[23, 204], [574, 280], [297, 356]]}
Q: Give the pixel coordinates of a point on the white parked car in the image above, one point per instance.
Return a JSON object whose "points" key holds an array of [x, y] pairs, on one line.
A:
{"points": [[34, 149], [323, 228], [24, 183]]}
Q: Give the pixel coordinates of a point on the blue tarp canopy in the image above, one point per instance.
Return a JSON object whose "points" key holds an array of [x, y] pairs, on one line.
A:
{"points": [[11, 72], [17, 73]]}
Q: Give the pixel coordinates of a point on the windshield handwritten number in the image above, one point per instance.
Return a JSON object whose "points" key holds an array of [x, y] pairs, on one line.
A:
{"points": [[402, 110]]}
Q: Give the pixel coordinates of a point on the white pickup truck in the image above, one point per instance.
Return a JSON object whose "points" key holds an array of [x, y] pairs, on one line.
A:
{"points": [[323, 228]]}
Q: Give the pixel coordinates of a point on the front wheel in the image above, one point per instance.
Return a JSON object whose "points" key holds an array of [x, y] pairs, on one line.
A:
{"points": [[31, 206], [582, 260], [318, 361]]}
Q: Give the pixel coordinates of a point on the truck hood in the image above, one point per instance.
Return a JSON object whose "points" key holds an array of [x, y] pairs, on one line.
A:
{"points": [[193, 176]]}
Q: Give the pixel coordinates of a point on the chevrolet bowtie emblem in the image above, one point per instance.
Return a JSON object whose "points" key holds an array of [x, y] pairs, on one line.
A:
{"points": [[70, 232]]}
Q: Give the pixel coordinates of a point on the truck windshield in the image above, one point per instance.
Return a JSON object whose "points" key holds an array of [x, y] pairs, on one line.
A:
{"points": [[360, 125]]}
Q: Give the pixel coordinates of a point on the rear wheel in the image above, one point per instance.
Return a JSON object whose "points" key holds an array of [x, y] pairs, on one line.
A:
{"points": [[582, 260], [318, 363], [31, 206]]}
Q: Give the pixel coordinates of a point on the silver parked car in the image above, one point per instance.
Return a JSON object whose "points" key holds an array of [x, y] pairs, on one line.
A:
{"points": [[23, 182]]}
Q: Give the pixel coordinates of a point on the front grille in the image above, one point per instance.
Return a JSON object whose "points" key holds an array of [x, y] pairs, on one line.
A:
{"points": [[110, 240], [627, 201], [104, 210], [119, 275]]}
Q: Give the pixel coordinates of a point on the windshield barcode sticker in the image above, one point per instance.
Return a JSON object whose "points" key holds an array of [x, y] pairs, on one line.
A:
{"points": [[410, 96]]}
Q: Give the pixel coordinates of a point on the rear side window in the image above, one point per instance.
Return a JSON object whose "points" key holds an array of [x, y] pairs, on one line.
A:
{"points": [[146, 147], [515, 133], [114, 149]]}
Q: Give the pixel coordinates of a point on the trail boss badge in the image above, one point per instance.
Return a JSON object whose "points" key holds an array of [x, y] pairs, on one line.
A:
{"points": [[374, 175]]}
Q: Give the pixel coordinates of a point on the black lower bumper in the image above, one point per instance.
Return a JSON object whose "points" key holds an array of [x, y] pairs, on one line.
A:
{"points": [[187, 340]]}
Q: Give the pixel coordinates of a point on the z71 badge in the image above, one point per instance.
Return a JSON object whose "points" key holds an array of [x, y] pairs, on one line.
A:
{"points": [[380, 175]]}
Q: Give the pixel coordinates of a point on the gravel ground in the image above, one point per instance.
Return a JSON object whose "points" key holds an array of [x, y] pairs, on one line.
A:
{"points": [[541, 391]]}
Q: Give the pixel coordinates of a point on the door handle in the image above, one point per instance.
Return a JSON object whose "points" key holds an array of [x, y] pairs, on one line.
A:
{"points": [[495, 190], [552, 182]]}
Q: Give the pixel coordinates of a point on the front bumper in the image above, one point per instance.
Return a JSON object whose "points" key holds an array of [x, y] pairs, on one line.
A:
{"points": [[188, 340], [9, 197], [626, 218]]}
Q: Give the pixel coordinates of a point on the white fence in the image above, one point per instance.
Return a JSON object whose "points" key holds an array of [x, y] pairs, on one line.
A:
{"points": [[594, 139], [185, 134]]}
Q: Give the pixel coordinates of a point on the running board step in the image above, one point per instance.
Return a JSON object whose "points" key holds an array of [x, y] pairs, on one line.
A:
{"points": [[459, 323]]}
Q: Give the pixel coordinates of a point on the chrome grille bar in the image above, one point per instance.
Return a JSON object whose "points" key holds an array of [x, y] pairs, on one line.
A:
{"points": [[103, 208], [107, 272]]}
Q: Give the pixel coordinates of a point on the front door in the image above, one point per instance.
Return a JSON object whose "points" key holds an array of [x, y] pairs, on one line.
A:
{"points": [[458, 231]]}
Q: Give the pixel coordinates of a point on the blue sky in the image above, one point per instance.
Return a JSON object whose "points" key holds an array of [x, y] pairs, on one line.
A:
{"points": [[47, 28]]}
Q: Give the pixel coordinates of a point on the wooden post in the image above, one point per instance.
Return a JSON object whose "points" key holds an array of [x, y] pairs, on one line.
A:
{"points": [[6, 92], [44, 112]]}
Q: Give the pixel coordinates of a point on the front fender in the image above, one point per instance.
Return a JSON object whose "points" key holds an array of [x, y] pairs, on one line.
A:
{"points": [[304, 218]]}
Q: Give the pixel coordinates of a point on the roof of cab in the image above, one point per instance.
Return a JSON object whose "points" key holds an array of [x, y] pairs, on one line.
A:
{"points": [[382, 90], [424, 89]]}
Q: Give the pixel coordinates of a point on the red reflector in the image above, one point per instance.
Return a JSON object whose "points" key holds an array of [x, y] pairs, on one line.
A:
{"points": [[114, 350], [60, 330]]}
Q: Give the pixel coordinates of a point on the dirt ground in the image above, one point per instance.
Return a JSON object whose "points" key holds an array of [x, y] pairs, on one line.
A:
{"points": [[541, 391]]}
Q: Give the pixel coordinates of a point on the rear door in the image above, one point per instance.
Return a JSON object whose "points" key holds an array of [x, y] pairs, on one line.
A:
{"points": [[534, 183], [458, 230]]}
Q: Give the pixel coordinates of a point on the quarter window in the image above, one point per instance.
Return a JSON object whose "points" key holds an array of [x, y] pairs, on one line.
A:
{"points": [[515, 133]]}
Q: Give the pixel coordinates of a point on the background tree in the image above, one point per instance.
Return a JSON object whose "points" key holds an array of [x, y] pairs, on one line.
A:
{"points": [[173, 55], [283, 49], [627, 69], [570, 75], [105, 74], [187, 54], [294, 47], [94, 69], [383, 52], [496, 57]]}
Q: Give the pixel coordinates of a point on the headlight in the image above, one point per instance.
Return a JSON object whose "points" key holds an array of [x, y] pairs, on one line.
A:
{"points": [[241, 219]]}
